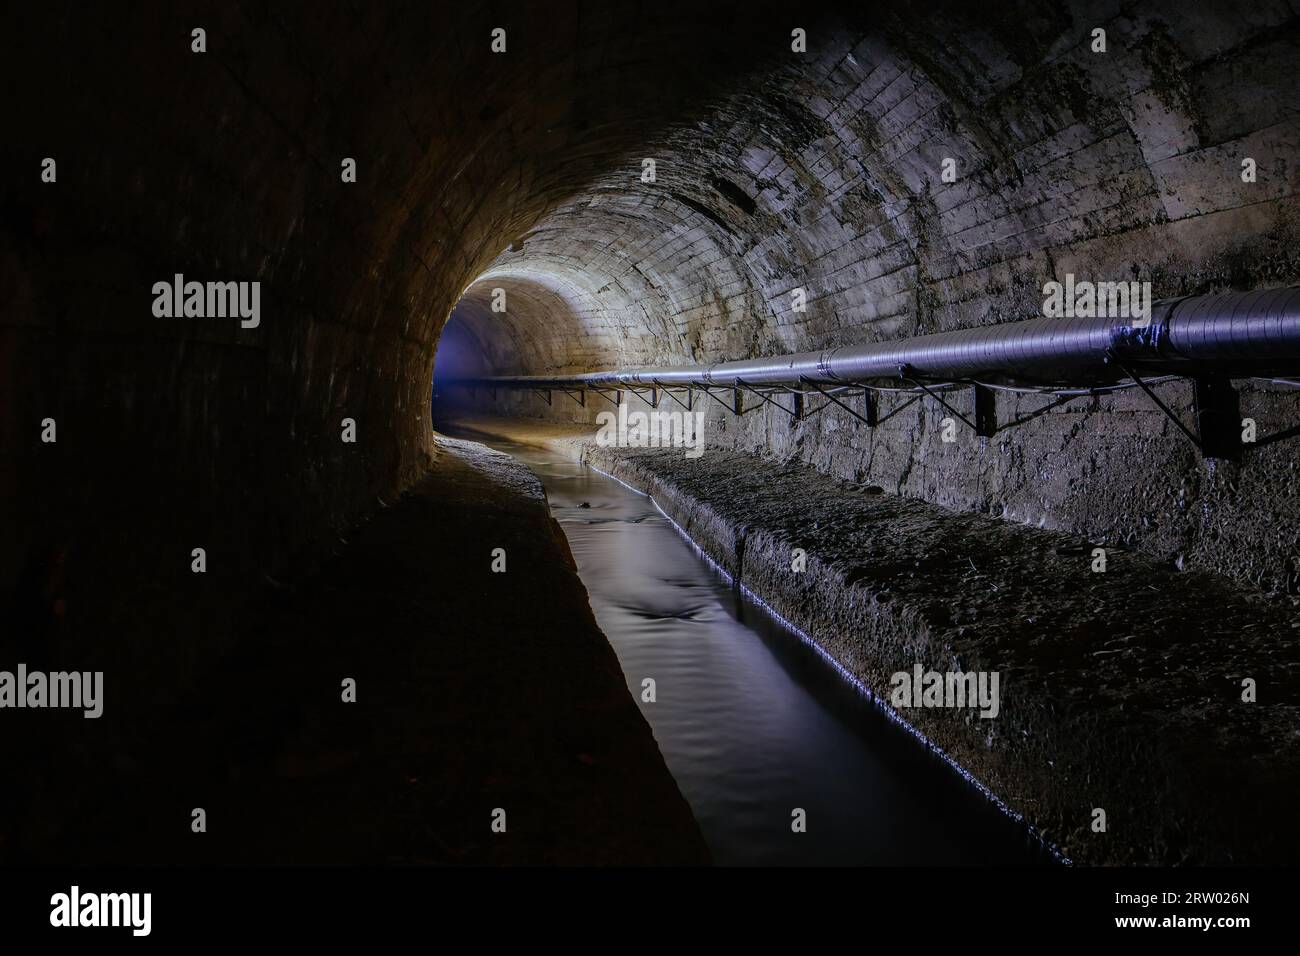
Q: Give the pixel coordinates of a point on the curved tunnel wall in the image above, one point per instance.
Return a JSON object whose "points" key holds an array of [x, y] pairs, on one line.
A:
{"points": [[825, 175], [226, 165]]}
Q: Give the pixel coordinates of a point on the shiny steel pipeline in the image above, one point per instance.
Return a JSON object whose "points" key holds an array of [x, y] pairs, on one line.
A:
{"points": [[1234, 334]]}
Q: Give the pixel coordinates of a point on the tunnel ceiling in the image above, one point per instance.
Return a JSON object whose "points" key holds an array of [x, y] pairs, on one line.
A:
{"points": [[824, 174]]}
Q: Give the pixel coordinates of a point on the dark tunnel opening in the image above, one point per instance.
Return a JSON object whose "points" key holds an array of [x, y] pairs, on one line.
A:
{"points": [[459, 356]]}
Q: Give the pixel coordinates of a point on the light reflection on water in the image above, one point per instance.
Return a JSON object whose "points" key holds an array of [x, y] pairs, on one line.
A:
{"points": [[751, 720]]}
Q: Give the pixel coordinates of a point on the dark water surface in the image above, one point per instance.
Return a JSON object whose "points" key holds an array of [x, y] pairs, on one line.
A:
{"points": [[752, 720]]}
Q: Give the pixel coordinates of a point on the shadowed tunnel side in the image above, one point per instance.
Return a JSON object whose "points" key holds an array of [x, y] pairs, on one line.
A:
{"points": [[204, 474]]}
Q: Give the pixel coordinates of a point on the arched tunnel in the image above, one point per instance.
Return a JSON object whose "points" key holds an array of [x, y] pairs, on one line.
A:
{"points": [[325, 323]]}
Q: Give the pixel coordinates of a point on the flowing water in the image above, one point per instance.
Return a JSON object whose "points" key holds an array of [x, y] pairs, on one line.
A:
{"points": [[752, 721]]}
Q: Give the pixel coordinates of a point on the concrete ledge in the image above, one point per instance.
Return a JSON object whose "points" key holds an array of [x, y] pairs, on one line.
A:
{"points": [[474, 691], [1119, 690]]}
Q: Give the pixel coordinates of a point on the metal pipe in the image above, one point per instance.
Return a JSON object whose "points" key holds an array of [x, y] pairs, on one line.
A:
{"points": [[1235, 334]]}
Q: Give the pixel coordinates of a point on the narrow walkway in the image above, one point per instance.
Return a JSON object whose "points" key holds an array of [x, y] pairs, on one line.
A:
{"points": [[475, 691]]}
